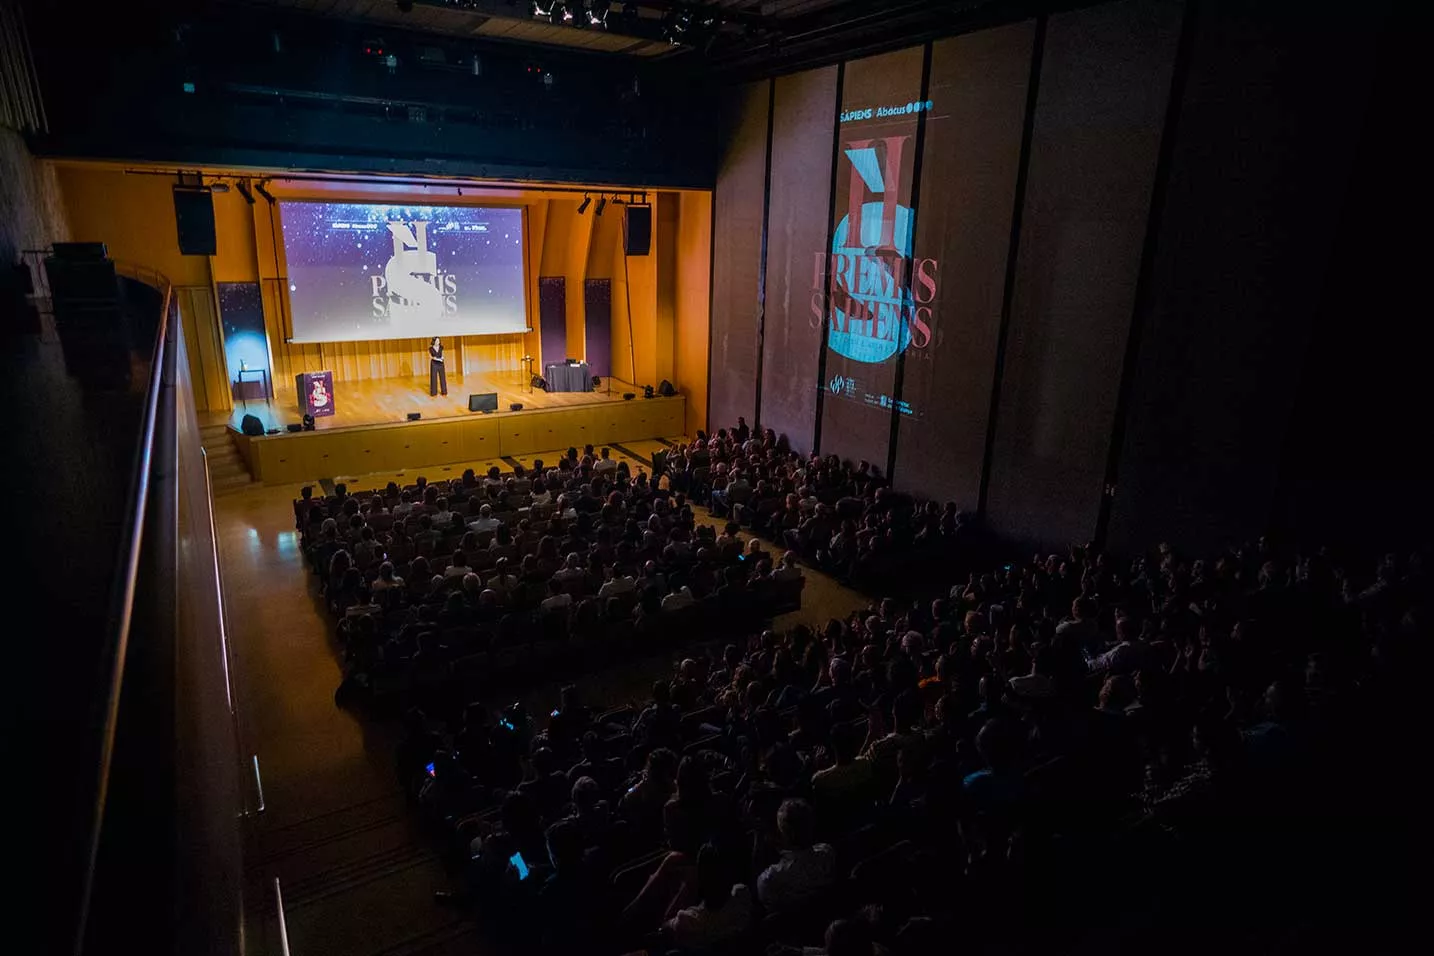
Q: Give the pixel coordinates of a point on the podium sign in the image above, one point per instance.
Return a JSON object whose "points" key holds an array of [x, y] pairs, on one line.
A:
{"points": [[316, 393]]}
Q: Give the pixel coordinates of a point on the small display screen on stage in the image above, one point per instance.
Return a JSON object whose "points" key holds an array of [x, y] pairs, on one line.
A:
{"points": [[369, 271]]}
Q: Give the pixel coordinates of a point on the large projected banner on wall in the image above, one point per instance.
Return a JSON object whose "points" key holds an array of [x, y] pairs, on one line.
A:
{"points": [[881, 292], [367, 271]]}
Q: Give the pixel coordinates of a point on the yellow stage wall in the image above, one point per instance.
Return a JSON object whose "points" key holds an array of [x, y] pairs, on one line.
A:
{"points": [[133, 214], [339, 452]]}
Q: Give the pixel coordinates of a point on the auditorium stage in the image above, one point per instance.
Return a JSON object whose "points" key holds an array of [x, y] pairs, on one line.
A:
{"points": [[376, 401], [369, 432]]}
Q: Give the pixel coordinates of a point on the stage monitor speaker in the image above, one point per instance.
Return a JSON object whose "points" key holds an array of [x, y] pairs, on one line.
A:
{"points": [[637, 234], [414, 416], [628, 396], [251, 425], [665, 389], [483, 402], [194, 217], [295, 426], [515, 407]]}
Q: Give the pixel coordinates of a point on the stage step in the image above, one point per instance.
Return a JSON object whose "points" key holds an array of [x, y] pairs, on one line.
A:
{"points": [[227, 484], [227, 469]]}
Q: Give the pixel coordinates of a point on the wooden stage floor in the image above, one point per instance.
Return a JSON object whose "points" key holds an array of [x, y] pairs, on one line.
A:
{"points": [[381, 401]]}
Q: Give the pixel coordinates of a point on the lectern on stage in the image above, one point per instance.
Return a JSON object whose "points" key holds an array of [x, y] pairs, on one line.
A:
{"points": [[316, 393]]}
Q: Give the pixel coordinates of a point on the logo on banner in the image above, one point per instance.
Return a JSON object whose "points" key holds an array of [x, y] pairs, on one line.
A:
{"points": [[412, 287], [880, 295]]}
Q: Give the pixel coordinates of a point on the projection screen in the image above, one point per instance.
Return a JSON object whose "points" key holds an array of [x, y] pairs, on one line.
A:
{"points": [[368, 271]]}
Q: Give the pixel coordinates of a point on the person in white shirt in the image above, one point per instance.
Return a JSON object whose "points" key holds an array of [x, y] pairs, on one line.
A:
{"points": [[680, 598], [616, 584], [723, 912], [442, 518], [485, 520], [805, 869], [1082, 626], [557, 599], [540, 493], [404, 506], [605, 464]]}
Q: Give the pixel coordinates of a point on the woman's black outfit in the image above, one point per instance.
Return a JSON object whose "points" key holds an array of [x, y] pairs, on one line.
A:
{"points": [[437, 378]]}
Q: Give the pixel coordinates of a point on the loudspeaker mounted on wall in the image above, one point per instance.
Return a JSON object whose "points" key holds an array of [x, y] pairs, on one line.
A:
{"points": [[637, 230], [194, 220]]}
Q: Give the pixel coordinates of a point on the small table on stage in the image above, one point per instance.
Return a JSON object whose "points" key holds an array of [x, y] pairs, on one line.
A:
{"points": [[259, 390], [563, 377]]}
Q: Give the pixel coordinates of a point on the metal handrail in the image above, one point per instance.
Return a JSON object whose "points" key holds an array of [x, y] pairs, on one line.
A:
{"points": [[283, 925], [122, 611]]}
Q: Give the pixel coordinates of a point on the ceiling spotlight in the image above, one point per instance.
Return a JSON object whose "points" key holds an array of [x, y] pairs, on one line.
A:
{"points": [[544, 11], [602, 201], [597, 12], [583, 206], [219, 187]]}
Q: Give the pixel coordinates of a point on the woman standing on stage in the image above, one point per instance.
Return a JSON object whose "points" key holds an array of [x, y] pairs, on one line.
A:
{"points": [[437, 378]]}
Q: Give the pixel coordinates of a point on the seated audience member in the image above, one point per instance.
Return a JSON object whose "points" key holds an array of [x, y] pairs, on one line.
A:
{"points": [[642, 805], [386, 578], [616, 584], [805, 868], [459, 566], [680, 596], [605, 464], [849, 780], [485, 520], [570, 901], [999, 786], [723, 911], [787, 570], [557, 599]]}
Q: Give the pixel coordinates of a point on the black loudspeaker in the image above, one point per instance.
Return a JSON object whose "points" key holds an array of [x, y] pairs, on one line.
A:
{"points": [[250, 425], [295, 426], [483, 402], [665, 389], [628, 396], [637, 236], [414, 416], [79, 251], [515, 407], [194, 219]]}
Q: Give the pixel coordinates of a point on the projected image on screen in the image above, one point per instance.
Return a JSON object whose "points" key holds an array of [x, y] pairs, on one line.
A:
{"points": [[878, 286], [367, 271]]}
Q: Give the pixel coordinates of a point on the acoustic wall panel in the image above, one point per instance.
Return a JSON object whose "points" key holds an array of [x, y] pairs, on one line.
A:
{"points": [[1104, 89], [796, 232], [552, 316], [969, 168], [597, 325], [736, 257]]}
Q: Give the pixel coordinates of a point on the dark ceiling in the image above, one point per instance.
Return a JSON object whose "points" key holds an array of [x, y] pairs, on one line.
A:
{"points": [[722, 36]]}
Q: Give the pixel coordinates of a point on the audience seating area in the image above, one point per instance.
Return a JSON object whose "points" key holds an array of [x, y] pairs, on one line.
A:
{"points": [[443, 589], [1065, 746]]}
